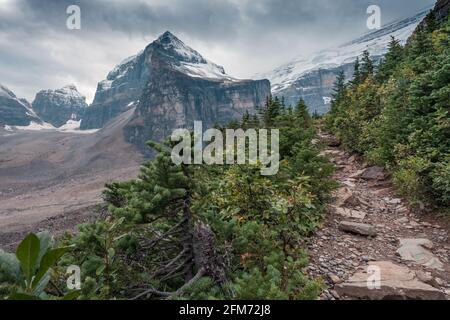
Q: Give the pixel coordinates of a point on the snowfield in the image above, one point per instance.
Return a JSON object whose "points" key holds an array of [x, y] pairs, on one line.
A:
{"points": [[375, 42]]}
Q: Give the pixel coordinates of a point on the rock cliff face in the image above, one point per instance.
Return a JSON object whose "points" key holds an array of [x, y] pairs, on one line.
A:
{"points": [[171, 85], [14, 111], [173, 100], [442, 10], [315, 87], [59, 106], [122, 87]]}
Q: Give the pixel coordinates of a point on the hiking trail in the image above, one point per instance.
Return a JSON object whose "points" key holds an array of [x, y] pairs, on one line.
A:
{"points": [[371, 244]]}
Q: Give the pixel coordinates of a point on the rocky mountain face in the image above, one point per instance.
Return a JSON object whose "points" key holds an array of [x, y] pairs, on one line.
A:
{"points": [[15, 111], [59, 106], [312, 77], [171, 85], [114, 95], [441, 10]]}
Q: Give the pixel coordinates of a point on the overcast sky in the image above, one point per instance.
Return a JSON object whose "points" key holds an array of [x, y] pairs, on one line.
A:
{"points": [[37, 51]]}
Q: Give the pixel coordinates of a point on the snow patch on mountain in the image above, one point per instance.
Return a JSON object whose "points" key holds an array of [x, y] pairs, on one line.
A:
{"points": [[375, 42], [34, 126], [71, 126], [182, 57], [189, 61]]}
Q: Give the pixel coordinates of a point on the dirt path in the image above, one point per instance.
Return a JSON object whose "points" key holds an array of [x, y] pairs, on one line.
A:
{"points": [[372, 246]]}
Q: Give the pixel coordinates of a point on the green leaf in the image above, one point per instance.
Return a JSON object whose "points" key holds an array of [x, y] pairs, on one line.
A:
{"points": [[39, 286], [45, 239], [100, 270], [28, 253], [22, 296], [73, 295], [48, 260], [111, 253]]}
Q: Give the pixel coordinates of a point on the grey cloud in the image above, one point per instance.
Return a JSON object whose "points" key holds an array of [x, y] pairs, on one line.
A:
{"points": [[246, 36]]}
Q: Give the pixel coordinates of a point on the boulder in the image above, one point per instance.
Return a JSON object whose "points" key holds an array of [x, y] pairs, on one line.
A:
{"points": [[330, 141], [385, 280], [358, 228], [349, 213], [416, 250], [343, 196], [373, 173]]}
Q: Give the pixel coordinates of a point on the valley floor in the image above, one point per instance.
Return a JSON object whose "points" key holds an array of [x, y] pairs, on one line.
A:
{"points": [[372, 246], [54, 181]]}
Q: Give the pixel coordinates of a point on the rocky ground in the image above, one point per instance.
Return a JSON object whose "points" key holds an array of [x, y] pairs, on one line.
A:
{"points": [[54, 181], [372, 246]]}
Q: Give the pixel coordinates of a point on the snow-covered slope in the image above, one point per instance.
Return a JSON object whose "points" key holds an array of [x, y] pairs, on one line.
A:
{"points": [[189, 61], [376, 43]]}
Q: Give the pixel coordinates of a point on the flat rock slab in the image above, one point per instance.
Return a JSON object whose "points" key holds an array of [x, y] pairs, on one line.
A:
{"points": [[349, 213], [343, 196], [330, 141], [384, 280], [373, 173], [417, 250], [357, 174], [358, 228]]}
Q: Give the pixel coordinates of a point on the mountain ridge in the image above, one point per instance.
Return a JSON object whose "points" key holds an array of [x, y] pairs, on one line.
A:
{"points": [[171, 85], [125, 83], [15, 111], [311, 77], [59, 106]]}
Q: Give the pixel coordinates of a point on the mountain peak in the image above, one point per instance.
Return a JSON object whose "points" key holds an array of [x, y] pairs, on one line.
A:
{"points": [[174, 47], [167, 36], [168, 40], [70, 87]]}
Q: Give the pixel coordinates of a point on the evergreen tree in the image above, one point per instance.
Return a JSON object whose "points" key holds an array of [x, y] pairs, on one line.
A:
{"points": [[161, 199], [339, 87], [356, 73], [391, 60], [301, 111], [245, 119], [272, 109], [401, 119], [367, 67]]}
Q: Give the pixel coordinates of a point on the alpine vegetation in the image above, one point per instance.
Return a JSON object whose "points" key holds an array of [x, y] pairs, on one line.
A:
{"points": [[237, 143]]}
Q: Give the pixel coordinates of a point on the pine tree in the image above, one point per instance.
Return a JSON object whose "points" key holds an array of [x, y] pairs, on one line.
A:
{"points": [[356, 73], [272, 109], [245, 119], [391, 60], [367, 67], [431, 22], [420, 52], [301, 110], [339, 87], [161, 199]]}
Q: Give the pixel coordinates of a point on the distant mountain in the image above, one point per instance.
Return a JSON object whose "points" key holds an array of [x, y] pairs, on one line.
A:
{"points": [[15, 111], [57, 107], [312, 77], [171, 85]]}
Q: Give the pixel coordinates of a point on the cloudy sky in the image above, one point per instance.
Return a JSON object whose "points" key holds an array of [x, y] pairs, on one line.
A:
{"points": [[37, 51]]}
